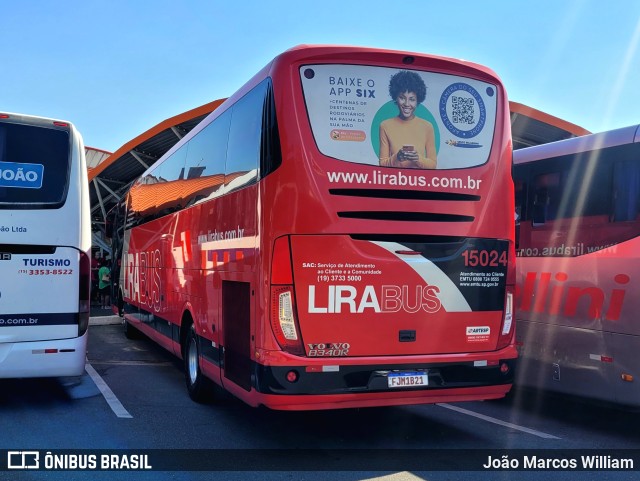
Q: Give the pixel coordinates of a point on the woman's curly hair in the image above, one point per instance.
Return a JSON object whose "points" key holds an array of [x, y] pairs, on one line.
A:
{"points": [[407, 81]]}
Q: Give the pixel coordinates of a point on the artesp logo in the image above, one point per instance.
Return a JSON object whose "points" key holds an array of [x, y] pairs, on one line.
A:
{"points": [[478, 330], [23, 460]]}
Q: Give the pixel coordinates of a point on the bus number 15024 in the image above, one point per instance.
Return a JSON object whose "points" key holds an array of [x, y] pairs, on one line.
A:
{"points": [[484, 258]]}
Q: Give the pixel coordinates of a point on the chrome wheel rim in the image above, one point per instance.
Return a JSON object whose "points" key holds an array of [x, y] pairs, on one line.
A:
{"points": [[192, 359]]}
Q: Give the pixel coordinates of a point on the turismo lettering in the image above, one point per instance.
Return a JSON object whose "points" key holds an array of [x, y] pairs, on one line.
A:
{"points": [[46, 262]]}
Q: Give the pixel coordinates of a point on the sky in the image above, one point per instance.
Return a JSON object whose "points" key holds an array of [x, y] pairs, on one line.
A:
{"points": [[116, 68]]}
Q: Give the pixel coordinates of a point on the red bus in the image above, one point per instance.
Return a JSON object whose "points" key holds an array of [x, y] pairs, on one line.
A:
{"points": [[578, 203], [289, 251]]}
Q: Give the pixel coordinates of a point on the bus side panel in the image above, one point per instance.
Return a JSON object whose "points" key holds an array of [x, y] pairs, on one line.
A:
{"points": [[593, 291], [574, 316], [60, 357], [182, 265], [563, 359], [53, 312], [625, 348]]}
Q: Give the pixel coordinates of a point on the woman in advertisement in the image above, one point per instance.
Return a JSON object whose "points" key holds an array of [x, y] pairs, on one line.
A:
{"points": [[407, 141]]}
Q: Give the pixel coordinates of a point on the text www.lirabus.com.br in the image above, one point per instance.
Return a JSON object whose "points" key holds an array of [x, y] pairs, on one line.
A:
{"points": [[402, 179]]}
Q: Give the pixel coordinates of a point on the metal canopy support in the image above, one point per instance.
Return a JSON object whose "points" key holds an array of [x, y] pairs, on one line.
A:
{"points": [[100, 201], [97, 240], [177, 132], [102, 183], [138, 158], [117, 194]]}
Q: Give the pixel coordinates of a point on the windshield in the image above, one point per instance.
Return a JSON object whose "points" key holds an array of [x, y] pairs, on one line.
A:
{"points": [[399, 118], [34, 166]]}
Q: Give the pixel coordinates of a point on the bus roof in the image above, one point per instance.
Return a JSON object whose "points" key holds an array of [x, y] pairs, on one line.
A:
{"points": [[34, 120], [411, 59], [586, 143]]}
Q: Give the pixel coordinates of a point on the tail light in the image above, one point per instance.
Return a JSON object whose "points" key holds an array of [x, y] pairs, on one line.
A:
{"points": [[284, 321], [84, 293], [506, 333]]}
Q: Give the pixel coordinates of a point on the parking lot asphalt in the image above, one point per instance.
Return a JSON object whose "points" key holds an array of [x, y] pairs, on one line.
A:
{"points": [[100, 316]]}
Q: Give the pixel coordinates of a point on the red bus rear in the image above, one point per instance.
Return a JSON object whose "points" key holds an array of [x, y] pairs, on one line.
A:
{"points": [[315, 243]]}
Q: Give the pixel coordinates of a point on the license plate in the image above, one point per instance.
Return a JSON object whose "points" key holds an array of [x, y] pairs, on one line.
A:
{"points": [[407, 379]]}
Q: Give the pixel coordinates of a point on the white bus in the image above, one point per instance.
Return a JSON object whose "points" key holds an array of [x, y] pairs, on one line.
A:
{"points": [[45, 242]]}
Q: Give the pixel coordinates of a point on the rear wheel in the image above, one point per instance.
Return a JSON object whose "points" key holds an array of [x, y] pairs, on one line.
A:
{"points": [[130, 332], [197, 385], [120, 304]]}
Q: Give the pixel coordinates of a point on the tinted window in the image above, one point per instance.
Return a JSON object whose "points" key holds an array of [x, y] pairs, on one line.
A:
{"points": [[34, 164], [626, 190], [571, 186], [173, 167], [547, 197], [204, 169], [245, 136], [520, 192], [271, 157], [579, 203]]}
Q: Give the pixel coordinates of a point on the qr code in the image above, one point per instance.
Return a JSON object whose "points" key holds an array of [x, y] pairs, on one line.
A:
{"points": [[463, 110]]}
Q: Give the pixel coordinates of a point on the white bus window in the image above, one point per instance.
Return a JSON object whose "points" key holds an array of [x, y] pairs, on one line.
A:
{"points": [[34, 166]]}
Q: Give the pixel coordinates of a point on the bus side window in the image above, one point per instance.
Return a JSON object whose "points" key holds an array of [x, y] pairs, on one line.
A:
{"points": [[546, 199], [2, 143], [204, 167], [520, 190], [626, 191], [245, 136], [540, 202]]}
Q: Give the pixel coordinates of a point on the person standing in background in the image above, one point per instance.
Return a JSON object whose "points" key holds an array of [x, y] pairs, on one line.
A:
{"points": [[104, 285]]}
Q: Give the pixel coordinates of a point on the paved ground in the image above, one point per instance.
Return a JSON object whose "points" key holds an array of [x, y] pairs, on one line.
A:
{"points": [[101, 316]]}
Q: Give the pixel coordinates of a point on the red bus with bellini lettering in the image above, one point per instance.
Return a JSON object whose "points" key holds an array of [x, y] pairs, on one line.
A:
{"points": [[288, 251], [578, 206]]}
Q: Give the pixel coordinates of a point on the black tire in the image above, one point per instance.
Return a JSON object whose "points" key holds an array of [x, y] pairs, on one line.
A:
{"points": [[120, 304], [130, 332], [199, 389]]}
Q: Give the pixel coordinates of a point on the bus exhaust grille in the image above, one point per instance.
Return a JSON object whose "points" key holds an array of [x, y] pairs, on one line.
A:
{"points": [[405, 194], [406, 216], [410, 238]]}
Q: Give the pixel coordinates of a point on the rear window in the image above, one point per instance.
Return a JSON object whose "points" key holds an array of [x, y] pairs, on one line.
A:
{"points": [[34, 166], [399, 118]]}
